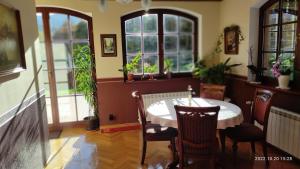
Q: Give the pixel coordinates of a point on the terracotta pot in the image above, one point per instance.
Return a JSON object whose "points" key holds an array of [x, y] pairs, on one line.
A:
{"points": [[283, 81], [151, 77], [130, 77]]}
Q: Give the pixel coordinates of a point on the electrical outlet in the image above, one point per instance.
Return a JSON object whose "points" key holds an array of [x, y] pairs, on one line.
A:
{"points": [[111, 117]]}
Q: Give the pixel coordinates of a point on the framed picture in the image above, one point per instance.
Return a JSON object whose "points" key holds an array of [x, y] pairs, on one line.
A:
{"points": [[108, 45], [231, 40], [12, 55]]}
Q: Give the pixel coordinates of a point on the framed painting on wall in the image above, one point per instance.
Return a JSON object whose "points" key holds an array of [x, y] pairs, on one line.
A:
{"points": [[231, 40], [12, 55], [108, 45]]}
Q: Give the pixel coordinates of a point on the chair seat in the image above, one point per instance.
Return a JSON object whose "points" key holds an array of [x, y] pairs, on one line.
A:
{"points": [[245, 132], [198, 152], [157, 132]]}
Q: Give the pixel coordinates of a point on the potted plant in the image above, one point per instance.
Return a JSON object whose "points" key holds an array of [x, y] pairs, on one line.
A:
{"points": [[85, 83], [151, 70], [131, 67], [168, 64], [282, 69], [214, 74]]}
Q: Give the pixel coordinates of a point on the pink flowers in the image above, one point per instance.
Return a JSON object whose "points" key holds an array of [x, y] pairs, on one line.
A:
{"points": [[283, 65], [276, 69]]}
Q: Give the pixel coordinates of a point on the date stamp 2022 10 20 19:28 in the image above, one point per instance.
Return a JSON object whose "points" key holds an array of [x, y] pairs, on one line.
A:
{"points": [[260, 158]]}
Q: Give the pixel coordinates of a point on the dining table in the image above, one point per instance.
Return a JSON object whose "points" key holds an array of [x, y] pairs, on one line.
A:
{"points": [[163, 112]]}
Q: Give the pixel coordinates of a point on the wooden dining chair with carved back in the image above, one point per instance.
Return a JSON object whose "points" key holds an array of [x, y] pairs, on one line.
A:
{"points": [[153, 132], [249, 132], [212, 91], [197, 138]]}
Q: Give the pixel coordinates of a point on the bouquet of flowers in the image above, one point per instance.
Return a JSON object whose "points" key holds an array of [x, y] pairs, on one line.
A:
{"points": [[283, 65]]}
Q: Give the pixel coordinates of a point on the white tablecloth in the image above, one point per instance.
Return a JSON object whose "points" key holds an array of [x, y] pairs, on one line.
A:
{"points": [[163, 112]]}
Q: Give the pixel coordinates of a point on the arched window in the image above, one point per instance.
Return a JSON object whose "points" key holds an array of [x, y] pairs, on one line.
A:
{"points": [[278, 32], [160, 35]]}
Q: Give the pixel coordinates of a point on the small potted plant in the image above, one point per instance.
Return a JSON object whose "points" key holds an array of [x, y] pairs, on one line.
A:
{"points": [[282, 69], [168, 64], [85, 83], [131, 67], [151, 70]]}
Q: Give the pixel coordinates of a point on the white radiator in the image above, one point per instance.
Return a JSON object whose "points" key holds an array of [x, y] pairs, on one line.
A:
{"points": [[151, 98], [284, 130]]}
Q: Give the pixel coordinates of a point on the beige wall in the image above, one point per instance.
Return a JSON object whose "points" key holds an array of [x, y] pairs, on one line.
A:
{"points": [[108, 22], [237, 12], [15, 88]]}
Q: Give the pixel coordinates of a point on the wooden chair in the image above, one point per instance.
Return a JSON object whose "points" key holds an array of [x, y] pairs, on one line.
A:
{"points": [[212, 91], [248, 132], [197, 128], [153, 132]]}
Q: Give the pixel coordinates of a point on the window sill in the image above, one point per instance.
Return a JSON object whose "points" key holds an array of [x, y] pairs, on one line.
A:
{"points": [[161, 80], [292, 91], [159, 77]]}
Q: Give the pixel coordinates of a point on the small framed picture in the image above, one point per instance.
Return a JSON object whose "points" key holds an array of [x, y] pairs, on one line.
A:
{"points": [[231, 40], [109, 45]]}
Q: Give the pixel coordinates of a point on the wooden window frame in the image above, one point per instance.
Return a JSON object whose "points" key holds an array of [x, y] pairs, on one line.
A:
{"points": [[261, 52], [160, 13]]}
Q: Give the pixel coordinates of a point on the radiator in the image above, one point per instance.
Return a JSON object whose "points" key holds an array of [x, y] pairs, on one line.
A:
{"points": [[152, 98], [284, 131]]}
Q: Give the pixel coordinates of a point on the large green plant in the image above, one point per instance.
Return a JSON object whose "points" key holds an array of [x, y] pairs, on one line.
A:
{"points": [[85, 83], [214, 74]]}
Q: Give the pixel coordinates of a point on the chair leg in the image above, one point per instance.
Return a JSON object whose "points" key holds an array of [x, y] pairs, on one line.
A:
{"points": [[234, 150], [264, 144], [181, 162], [173, 145], [222, 139], [253, 147], [144, 151]]}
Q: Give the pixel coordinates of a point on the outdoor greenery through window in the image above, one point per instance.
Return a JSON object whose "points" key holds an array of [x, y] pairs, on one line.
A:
{"points": [[279, 18], [158, 36]]}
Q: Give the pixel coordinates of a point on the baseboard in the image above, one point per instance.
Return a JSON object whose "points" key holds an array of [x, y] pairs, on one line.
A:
{"points": [[120, 127]]}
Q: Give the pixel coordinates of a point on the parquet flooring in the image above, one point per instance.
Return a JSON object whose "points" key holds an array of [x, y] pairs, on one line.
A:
{"points": [[80, 149]]}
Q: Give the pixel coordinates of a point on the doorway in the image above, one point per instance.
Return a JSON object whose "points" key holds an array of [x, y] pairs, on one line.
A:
{"points": [[61, 31]]}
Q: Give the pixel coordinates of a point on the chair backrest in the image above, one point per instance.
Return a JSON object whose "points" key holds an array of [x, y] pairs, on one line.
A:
{"points": [[140, 103], [261, 107], [197, 129], [212, 91]]}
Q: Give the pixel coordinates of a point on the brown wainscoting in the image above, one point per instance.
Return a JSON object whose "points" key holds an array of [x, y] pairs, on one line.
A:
{"points": [[114, 96], [240, 91], [24, 137]]}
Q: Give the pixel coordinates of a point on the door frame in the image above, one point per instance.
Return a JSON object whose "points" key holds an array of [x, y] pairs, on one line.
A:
{"points": [[57, 125]]}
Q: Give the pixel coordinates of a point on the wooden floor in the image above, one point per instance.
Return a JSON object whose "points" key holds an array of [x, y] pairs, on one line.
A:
{"points": [[80, 149]]}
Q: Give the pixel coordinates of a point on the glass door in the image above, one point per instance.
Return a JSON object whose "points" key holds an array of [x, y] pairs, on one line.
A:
{"points": [[60, 34]]}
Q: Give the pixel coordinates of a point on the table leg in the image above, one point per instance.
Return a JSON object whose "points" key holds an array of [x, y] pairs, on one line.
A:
{"points": [[222, 139]]}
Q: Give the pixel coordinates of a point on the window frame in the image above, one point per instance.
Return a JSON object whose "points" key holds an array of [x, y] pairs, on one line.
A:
{"points": [[280, 24], [160, 33]]}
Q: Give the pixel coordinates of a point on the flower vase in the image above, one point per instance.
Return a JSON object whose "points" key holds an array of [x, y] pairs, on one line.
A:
{"points": [[283, 81]]}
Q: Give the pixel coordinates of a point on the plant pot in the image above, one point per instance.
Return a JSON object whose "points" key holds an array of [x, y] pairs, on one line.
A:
{"points": [[169, 75], [283, 81], [92, 122], [130, 77], [151, 77]]}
